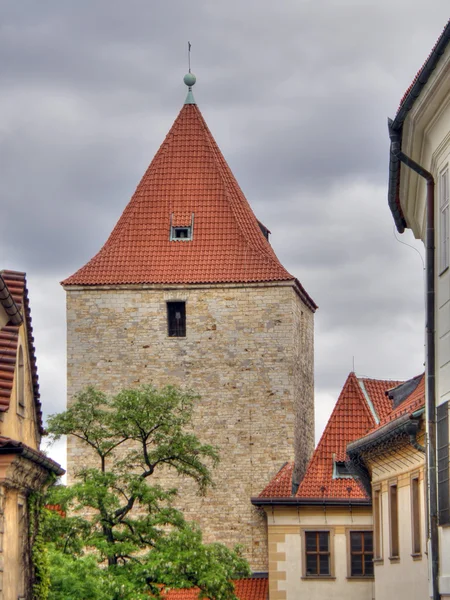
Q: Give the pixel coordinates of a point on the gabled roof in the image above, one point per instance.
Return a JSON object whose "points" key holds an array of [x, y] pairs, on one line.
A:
{"points": [[187, 183], [406, 104], [358, 410], [9, 338], [245, 589]]}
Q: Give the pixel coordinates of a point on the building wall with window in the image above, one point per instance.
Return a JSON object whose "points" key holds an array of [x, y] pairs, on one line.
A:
{"points": [[320, 552], [243, 349], [425, 137]]}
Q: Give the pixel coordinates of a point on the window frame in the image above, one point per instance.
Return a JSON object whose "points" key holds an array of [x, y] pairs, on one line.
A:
{"points": [[20, 382], [377, 513], [443, 468], [416, 516], [330, 531], [362, 530], [171, 329], [175, 238], [394, 529], [444, 219]]}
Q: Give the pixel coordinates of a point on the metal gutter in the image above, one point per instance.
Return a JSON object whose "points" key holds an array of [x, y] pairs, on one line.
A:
{"points": [[293, 501]]}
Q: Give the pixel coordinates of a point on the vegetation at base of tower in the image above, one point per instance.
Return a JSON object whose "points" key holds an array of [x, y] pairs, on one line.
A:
{"points": [[117, 535]]}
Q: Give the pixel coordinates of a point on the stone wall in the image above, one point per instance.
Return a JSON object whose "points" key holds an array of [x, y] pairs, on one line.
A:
{"points": [[248, 352]]}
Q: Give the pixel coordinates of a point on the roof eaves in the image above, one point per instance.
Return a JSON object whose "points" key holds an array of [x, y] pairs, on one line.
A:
{"points": [[396, 126], [10, 446], [7, 301], [380, 435], [296, 501]]}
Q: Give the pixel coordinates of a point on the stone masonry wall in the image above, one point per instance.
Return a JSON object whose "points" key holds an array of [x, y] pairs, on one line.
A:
{"points": [[248, 352]]}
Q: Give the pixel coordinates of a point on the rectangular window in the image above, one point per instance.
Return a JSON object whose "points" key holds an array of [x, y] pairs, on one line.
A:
{"points": [[393, 521], [415, 515], [361, 554], [378, 523], [443, 192], [317, 553], [176, 319], [181, 233], [442, 465]]}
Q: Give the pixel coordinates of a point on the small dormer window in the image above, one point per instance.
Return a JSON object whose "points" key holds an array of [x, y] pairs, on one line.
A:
{"points": [[340, 470], [181, 227], [181, 233]]}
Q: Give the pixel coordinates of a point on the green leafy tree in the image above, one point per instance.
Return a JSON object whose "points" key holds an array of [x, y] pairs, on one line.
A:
{"points": [[128, 525]]}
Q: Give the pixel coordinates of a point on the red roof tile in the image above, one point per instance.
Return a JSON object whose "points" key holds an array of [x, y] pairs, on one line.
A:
{"points": [[244, 589], [187, 175], [9, 336], [412, 403], [352, 417]]}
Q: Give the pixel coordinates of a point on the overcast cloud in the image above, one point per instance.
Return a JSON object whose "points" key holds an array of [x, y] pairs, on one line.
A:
{"points": [[296, 93]]}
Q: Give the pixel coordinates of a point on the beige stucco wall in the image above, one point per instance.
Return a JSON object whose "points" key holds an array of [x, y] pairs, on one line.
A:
{"points": [[248, 352], [13, 424], [286, 554]]}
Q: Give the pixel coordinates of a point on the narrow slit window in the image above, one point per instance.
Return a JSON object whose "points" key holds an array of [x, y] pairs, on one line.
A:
{"points": [[415, 516], [393, 521], [20, 382], [377, 523], [176, 317], [444, 220]]}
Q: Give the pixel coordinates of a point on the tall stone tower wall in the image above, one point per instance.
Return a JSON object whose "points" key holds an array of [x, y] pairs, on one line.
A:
{"points": [[248, 352]]}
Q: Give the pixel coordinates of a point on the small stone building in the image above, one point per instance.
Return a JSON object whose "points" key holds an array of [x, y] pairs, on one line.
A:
{"points": [[188, 291], [23, 468]]}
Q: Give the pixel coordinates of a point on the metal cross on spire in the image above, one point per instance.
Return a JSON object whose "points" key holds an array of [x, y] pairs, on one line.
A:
{"points": [[189, 56]]}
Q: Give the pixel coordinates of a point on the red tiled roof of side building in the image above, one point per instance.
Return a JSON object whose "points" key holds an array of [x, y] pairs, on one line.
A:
{"points": [[413, 402], [419, 72], [9, 338], [376, 389], [352, 418], [245, 589], [187, 183]]}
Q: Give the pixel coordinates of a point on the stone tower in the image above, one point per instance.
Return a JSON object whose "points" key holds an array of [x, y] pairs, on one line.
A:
{"points": [[187, 290]]}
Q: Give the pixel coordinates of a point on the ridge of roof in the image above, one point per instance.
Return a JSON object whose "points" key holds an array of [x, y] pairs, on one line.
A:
{"points": [[188, 175], [9, 339]]}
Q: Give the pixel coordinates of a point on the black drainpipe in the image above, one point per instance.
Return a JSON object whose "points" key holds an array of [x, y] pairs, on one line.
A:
{"points": [[396, 151]]}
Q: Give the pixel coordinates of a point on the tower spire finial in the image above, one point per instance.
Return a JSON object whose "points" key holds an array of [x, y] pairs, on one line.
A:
{"points": [[189, 79]]}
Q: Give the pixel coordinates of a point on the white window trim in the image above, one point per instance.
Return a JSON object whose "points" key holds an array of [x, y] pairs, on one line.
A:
{"points": [[443, 199]]}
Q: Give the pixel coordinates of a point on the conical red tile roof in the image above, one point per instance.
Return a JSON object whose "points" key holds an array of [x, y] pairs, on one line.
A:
{"points": [[188, 176]]}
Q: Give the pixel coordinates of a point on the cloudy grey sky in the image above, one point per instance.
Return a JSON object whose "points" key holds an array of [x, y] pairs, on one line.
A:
{"points": [[296, 93]]}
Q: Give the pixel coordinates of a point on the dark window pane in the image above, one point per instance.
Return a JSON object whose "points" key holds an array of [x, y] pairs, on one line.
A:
{"points": [[311, 564], [324, 561], [357, 564], [356, 541], [368, 541], [323, 541], [176, 316], [368, 564], [311, 542]]}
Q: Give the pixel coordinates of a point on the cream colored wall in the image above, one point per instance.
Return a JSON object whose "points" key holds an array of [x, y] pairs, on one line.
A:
{"points": [[426, 137], [405, 578], [285, 527], [13, 424], [11, 546]]}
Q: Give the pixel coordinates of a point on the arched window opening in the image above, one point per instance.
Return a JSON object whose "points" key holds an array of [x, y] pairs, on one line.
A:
{"points": [[20, 382]]}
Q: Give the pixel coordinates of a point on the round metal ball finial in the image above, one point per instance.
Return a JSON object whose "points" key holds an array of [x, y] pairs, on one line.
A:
{"points": [[190, 79]]}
